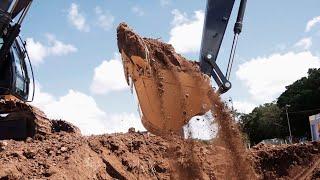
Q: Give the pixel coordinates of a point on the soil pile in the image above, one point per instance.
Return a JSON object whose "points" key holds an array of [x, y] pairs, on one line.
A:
{"points": [[121, 156], [298, 161], [144, 156]]}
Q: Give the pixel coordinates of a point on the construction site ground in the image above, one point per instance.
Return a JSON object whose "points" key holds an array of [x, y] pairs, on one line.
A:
{"points": [[136, 155], [61, 152]]}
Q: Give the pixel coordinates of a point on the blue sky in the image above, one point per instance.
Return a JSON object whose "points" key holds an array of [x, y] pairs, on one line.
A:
{"points": [[73, 44]]}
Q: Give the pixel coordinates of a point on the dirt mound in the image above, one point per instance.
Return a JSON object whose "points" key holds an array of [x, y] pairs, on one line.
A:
{"points": [[120, 156], [64, 126], [298, 161], [144, 156]]}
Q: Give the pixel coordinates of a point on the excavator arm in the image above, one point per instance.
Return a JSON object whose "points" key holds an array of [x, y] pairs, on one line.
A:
{"points": [[218, 13], [9, 30]]}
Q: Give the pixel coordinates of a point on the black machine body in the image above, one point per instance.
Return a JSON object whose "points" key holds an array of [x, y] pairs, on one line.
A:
{"points": [[15, 66], [218, 13]]}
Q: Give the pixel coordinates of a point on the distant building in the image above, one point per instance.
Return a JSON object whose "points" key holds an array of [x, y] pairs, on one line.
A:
{"points": [[315, 127]]}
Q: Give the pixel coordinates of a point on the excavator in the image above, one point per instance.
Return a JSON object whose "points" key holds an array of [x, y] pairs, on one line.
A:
{"points": [[170, 95], [19, 119]]}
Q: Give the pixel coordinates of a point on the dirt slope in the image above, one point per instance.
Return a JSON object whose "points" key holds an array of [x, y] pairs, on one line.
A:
{"points": [[298, 161], [144, 156]]}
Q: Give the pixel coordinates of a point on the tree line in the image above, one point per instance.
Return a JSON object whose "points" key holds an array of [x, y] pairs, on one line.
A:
{"points": [[268, 121]]}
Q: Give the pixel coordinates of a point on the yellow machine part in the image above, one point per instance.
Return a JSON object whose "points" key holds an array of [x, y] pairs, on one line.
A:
{"points": [[168, 99]]}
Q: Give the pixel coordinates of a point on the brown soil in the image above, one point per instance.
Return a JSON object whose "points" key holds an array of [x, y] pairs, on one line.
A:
{"points": [[171, 89], [298, 161], [144, 156]]}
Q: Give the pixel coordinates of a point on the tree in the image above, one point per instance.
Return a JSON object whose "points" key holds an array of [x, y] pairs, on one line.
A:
{"points": [[264, 122], [303, 96]]}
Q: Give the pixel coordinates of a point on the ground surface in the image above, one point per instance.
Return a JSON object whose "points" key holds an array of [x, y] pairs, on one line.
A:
{"points": [[143, 156]]}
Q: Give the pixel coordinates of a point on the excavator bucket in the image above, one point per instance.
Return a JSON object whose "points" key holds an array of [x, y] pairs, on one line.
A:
{"points": [[170, 89]]}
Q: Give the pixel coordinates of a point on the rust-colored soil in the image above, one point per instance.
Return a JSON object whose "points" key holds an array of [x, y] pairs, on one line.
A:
{"points": [[143, 156], [298, 161], [171, 89]]}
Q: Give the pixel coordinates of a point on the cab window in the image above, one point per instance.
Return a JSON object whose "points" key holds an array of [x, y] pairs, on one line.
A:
{"points": [[1, 43], [21, 79]]}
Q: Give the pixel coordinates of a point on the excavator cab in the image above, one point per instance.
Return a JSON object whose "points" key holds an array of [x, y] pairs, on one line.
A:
{"points": [[14, 75]]}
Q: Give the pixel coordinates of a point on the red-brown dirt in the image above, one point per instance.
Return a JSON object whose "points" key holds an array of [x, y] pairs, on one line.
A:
{"points": [[144, 156]]}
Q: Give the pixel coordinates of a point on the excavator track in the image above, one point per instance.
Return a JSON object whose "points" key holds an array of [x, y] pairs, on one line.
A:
{"points": [[19, 120]]}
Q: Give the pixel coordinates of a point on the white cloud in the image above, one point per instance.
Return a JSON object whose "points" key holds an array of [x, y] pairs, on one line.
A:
{"points": [[109, 76], [77, 19], [105, 19], [304, 43], [137, 10], [266, 77], [244, 107], [179, 17], [82, 111], [186, 28], [58, 48], [312, 23], [39, 51]]}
